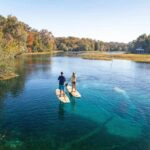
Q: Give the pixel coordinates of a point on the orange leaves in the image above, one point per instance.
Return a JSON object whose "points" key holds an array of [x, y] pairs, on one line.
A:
{"points": [[30, 39]]}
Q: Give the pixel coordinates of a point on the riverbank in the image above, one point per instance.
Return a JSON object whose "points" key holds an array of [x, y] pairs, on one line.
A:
{"points": [[85, 55], [98, 55], [7, 76], [103, 56], [43, 53]]}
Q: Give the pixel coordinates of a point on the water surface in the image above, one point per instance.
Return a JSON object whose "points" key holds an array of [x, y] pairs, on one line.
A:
{"points": [[113, 113]]}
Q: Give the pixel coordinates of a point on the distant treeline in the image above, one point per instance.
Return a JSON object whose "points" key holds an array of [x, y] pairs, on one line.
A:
{"points": [[17, 37], [85, 44], [142, 41]]}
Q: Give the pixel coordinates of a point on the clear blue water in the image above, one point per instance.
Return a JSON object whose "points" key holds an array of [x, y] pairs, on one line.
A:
{"points": [[113, 113]]}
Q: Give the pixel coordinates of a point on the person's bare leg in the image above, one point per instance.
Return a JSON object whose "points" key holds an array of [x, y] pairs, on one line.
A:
{"points": [[72, 88], [75, 87], [63, 93]]}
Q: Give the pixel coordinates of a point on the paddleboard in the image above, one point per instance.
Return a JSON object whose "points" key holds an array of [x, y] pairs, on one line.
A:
{"points": [[64, 99], [74, 93]]}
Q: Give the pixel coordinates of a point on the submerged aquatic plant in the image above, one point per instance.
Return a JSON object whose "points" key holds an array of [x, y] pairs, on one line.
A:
{"points": [[13, 144]]}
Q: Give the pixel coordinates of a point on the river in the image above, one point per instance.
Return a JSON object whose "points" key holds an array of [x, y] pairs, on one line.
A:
{"points": [[112, 114]]}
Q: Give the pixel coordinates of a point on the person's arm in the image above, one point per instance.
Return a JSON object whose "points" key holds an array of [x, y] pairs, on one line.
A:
{"points": [[59, 78]]}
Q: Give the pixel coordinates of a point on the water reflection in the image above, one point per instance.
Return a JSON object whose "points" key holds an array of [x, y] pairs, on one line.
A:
{"points": [[14, 87], [73, 104], [61, 111], [25, 67]]}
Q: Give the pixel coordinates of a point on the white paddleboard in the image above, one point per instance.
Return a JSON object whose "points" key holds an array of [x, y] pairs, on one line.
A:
{"points": [[73, 93], [64, 99]]}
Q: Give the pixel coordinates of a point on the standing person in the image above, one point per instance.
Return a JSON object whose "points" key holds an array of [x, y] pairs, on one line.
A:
{"points": [[73, 80], [62, 80]]}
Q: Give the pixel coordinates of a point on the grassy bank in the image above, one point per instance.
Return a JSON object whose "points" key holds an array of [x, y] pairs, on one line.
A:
{"points": [[43, 53], [103, 56]]}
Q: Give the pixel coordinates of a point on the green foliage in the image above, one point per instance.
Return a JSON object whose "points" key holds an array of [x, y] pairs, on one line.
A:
{"points": [[75, 44], [142, 41], [17, 37], [85, 44], [6, 64]]}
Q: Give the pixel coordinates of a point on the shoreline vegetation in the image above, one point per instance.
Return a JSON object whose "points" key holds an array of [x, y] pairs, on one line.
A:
{"points": [[7, 70], [7, 66], [42, 53], [7, 76], [145, 58]]}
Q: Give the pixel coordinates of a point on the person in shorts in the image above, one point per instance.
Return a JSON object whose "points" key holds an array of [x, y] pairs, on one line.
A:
{"points": [[62, 80]]}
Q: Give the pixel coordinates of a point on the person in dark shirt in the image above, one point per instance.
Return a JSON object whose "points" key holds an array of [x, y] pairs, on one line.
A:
{"points": [[62, 80]]}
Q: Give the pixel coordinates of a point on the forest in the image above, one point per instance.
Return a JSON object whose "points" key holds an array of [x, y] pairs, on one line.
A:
{"points": [[16, 37]]}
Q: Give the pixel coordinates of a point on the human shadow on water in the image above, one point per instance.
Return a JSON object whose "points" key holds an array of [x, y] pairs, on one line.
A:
{"points": [[73, 103], [61, 111]]}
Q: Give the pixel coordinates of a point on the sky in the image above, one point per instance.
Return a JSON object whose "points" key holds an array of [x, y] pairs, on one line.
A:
{"points": [[105, 20]]}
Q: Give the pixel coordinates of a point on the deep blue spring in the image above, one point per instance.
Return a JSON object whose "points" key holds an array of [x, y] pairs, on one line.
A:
{"points": [[113, 113]]}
